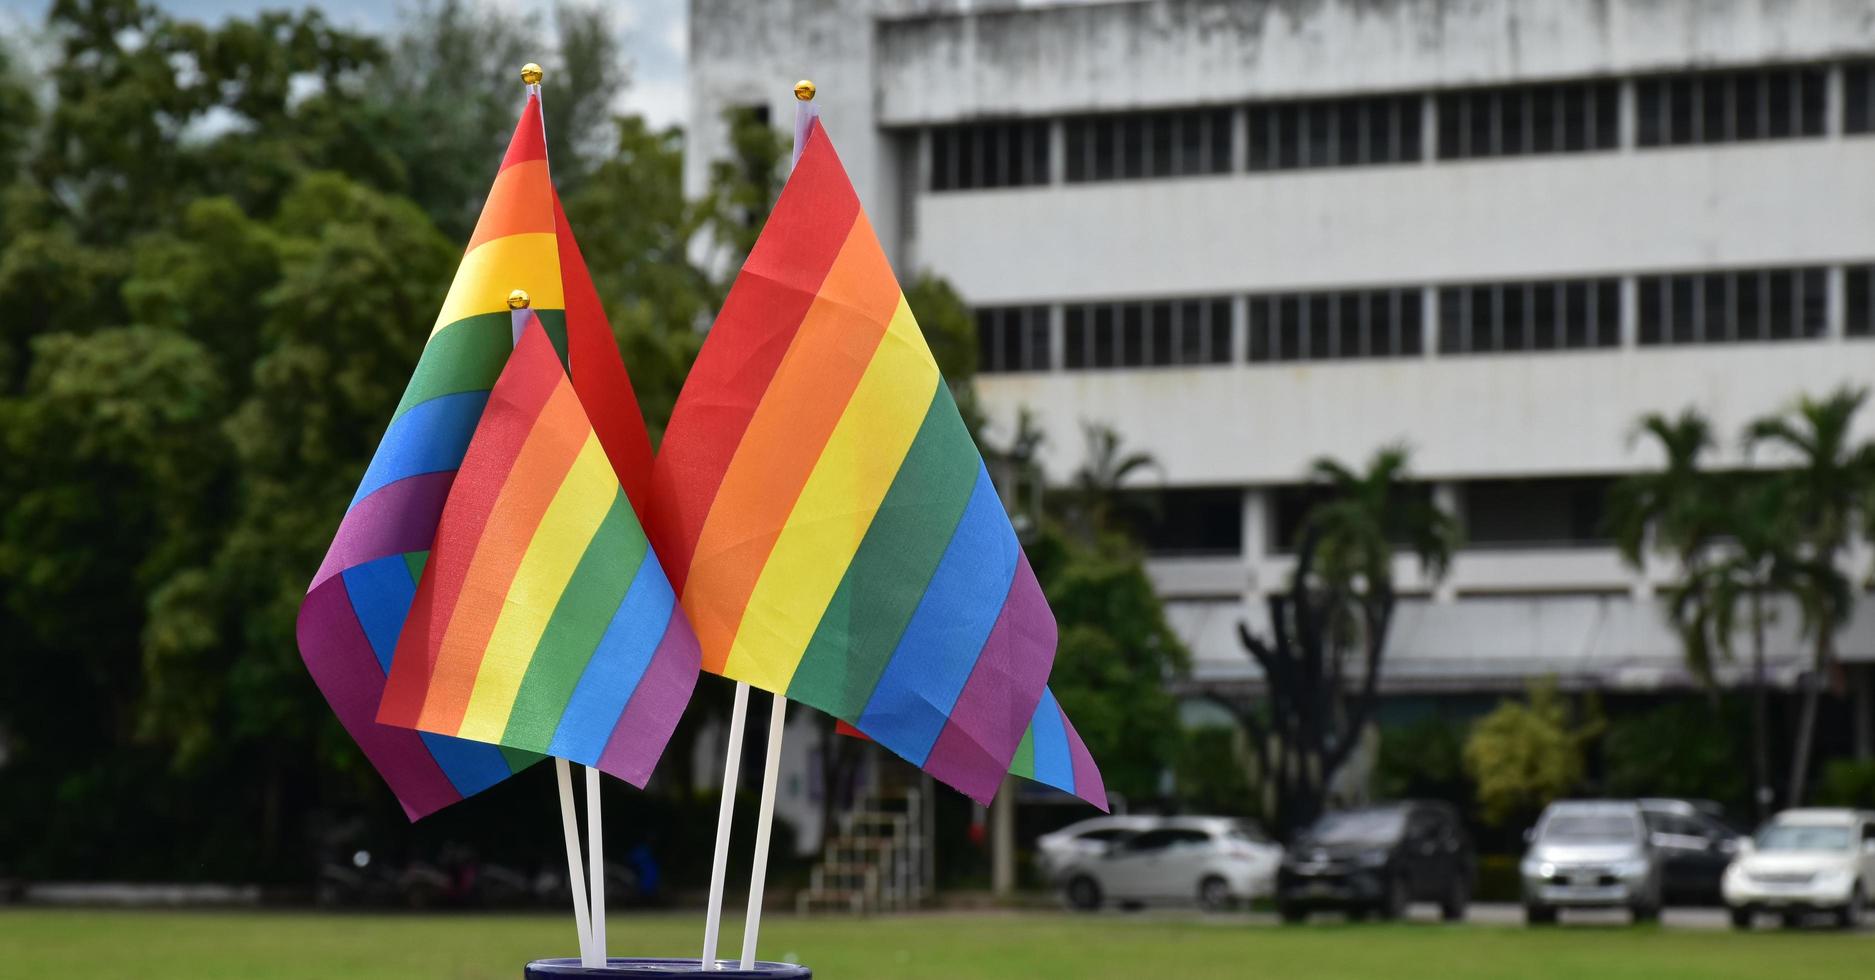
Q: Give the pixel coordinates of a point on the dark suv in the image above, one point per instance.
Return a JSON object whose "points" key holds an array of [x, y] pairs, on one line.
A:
{"points": [[1377, 860], [1695, 845]]}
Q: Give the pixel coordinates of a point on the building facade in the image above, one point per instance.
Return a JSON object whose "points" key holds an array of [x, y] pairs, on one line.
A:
{"points": [[1248, 234]]}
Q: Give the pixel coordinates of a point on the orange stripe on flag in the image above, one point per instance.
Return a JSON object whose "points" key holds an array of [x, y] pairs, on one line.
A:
{"points": [[521, 201], [837, 340], [532, 483]]}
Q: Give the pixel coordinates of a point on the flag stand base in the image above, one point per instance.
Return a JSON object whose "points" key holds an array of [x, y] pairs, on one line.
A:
{"points": [[562, 968]]}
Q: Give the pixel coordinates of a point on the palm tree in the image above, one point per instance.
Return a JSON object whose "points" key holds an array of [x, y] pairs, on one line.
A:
{"points": [[1368, 515], [1098, 490], [1727, 536], [1823, 497], [1338, 609]]}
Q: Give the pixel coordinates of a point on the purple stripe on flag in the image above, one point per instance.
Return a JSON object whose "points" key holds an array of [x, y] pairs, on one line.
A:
{"points": [[656, 703], [1087, 782], [339, 657], [396, 518], [973, 751]]}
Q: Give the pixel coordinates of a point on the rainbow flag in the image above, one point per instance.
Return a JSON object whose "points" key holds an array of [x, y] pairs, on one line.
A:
{"points": [[355, 607], [543, 621], [828, 522], [1051, 753]]}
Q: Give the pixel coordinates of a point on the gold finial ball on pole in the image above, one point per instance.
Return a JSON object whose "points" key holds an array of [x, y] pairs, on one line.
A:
{"points": [[518, 300], [531, 73], [804, 90]]}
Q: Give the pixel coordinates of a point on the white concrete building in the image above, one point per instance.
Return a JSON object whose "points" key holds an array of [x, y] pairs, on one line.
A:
{"points": [[1247, 234]]}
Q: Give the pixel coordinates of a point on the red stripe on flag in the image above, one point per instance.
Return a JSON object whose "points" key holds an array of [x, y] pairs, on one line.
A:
{"points": [[757, 324], [530, 140], [599, 375], [500, 436]]}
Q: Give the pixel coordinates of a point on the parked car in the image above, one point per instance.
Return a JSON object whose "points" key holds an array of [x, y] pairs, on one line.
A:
{"points": [[1695, 845], [1376, 860], [1215, 861], [1591, 854], [1055, 851], [1802, 861]]}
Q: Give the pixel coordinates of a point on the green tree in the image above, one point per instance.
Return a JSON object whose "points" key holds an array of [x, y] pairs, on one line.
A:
{"points": [[1115, 655], [1323, 652], [1822, 495], [1526, 753]]}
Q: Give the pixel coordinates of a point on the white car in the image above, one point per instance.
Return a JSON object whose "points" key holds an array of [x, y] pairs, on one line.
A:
{"points": [[1813, 860], [1054, 852], [1214, 861]]}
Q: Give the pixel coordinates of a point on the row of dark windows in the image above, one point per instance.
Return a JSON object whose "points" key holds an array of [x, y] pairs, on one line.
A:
{"points": [[1012, 338], [1525, 119], [1735, 305], [1326, 326], [1334, 132], [1517, 120], [1719, 307], [1160, 333], [1730, 106], [1518, 316], [1148, 144], [1540, 512]]}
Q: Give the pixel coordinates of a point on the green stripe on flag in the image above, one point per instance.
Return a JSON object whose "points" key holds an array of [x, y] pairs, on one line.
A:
{"points": [[415, 560], [599, 583], [468, 355], [1024, 763], [894, 564]]}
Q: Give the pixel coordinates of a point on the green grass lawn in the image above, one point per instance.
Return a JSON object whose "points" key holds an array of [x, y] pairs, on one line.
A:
{"points": [[72, 945]]}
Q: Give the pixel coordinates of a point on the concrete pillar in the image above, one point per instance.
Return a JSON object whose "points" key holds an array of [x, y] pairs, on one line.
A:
{"points": [[1255, 540], [1428, 129], [1836, 301], [1057, 151], [1003, 840], [1429, 321], [1447, 496], [1239, 329], [1630, 311], [1833, 103], [1628, 117]]}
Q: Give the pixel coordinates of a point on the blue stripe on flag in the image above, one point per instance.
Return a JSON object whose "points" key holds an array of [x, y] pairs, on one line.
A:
{"points": [[630, 640], [946, 633], [471, 766], [381, 591], [430, 438], [1053, 765]]}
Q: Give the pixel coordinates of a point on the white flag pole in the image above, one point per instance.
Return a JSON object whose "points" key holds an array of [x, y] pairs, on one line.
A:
{"points": [[719, 862], [595, 853], [764, 822], [518, 313], [804, 115], [576, 880]]}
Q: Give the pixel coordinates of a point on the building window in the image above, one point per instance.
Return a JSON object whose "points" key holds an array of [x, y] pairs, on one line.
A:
{"points": [[1012, 338], [1566, 314], [1186, 521], [1858, 97], [1147, 144], [1561, 512], [1154, 333], [1729, 106], [1859, 300], [1525, 119], [1334, 132], [974, 156], [1335, 326], [1736, 305], [1291, 505]]}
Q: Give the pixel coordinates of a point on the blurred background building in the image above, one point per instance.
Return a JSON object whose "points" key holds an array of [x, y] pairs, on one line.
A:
{"points": [[1248, 234]]}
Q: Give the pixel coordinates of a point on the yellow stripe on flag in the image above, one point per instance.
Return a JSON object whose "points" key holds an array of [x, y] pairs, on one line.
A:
{"points": [[494, 268], [558, 544], [836, 507]]}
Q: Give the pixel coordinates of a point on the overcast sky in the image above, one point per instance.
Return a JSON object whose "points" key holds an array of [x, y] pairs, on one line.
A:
{"points": [[651, 35]]}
